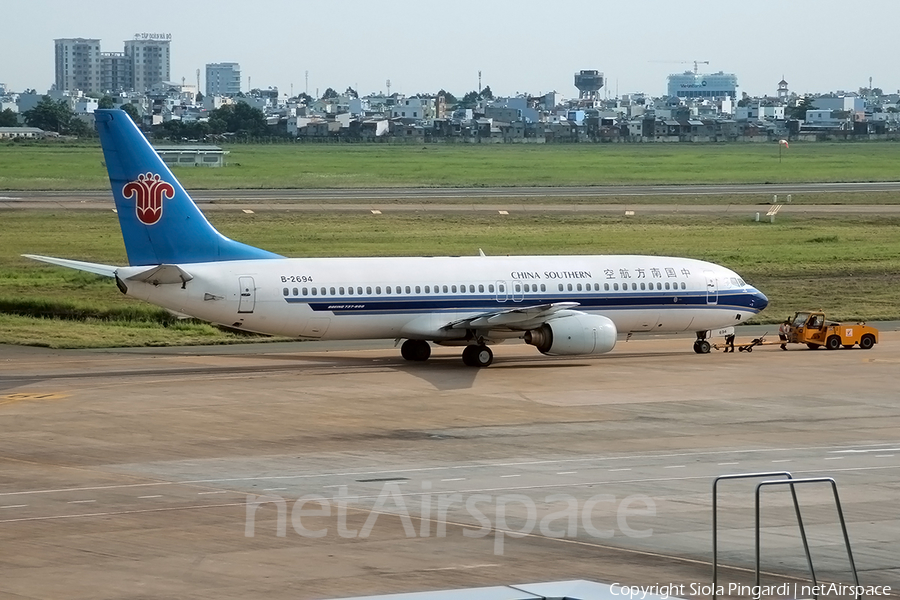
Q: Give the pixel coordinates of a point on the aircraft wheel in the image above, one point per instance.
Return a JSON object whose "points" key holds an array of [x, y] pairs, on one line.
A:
{"points": [[867, 341], [833, 343], [477, 356], [702, 347], [415, 350]]}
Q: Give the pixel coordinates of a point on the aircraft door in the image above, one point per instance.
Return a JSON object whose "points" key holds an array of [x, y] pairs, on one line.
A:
{"points": [[248, 295], [712, 288], [501, 291]]}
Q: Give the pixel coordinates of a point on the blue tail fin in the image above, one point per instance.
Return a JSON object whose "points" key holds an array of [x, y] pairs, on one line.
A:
{"points": [[160, 223]]}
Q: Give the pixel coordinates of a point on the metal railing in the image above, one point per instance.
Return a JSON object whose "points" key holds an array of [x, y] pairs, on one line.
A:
{"points": [[715, 530], [792, 483], [837, 503]]}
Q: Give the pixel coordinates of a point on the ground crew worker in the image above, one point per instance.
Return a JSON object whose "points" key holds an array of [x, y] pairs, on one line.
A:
{"points": [[783, 333]]}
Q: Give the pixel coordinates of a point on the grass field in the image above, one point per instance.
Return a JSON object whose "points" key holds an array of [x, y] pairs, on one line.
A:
{"points": [[848, 266], [67, 167]]}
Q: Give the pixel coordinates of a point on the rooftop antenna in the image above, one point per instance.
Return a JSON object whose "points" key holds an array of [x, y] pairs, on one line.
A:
{"points": [[198, 81], [388, 84], [479, 81], [306, 78]]}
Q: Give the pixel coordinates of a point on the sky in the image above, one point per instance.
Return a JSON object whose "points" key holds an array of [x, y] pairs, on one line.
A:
{"points": [[520, 46]]}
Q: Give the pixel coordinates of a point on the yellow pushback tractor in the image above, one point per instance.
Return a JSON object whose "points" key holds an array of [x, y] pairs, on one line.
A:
{"points": [[812, 329]]}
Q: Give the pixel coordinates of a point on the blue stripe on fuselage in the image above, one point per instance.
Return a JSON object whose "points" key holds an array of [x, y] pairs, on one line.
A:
{"points": [[415, 304]]}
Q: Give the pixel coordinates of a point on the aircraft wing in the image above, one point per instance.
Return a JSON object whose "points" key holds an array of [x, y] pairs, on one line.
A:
{"points": [[514, 318], [105, 270]]}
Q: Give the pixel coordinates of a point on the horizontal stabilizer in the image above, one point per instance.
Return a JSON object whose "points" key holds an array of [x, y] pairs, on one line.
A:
{"points": [[512, 317], [105, 270], [162, 274]]}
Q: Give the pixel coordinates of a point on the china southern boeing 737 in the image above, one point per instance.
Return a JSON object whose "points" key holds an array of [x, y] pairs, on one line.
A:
{"points": [[563, 305]]}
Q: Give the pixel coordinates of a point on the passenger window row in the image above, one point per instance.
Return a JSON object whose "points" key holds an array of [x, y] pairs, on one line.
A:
{"points": [[615, 286], [468, 288]]}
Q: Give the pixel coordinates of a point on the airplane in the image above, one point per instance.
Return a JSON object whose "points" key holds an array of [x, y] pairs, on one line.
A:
{"points": [[562, 305]]}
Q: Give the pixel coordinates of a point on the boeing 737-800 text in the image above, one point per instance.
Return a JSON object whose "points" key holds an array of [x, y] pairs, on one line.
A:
{"points": [[563, 305]]}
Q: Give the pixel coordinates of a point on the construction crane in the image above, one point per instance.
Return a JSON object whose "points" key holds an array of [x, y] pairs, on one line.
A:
{"points": [[684, 62]]}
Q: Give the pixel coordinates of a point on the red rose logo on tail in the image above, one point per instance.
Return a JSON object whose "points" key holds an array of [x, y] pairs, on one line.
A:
{"points": [[148, 190]]}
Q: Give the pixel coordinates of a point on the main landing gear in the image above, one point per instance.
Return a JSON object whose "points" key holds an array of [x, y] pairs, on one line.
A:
{"points": [[475, 355], [702, 346]]}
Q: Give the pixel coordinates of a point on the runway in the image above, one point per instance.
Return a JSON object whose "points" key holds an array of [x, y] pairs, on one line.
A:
{"points": [[143, 473], [415, 193], [691, 200]]}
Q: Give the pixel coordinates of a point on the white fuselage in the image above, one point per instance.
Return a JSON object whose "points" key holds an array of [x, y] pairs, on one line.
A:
{"points": [[371, 298]]}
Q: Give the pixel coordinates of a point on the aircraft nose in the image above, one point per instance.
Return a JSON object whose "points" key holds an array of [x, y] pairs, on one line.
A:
{"points": [[759, 300]]}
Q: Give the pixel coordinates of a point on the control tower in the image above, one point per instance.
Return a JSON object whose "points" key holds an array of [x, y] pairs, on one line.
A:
{"points": [[589, 84]]}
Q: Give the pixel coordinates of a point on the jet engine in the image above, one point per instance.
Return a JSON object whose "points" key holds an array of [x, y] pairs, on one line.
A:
{"points": [[574, 334]]}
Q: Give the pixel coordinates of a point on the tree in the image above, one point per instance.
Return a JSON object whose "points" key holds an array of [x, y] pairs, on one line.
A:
{"points": [[486, 93], [448, 97], [198, 98], [106, 102], [305, 98], [469, 100], [799, 111], [351, 92], [132, 112], [79, 128], [49, 115], [239, 118], [8, 118], [329, 93], [177, 130]]}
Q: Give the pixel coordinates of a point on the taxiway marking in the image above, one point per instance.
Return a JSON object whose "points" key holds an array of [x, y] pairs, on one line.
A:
{"points": [[440, 468]]}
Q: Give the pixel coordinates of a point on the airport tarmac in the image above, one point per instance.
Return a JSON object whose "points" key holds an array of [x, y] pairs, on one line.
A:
{"points": [[142, 473]]}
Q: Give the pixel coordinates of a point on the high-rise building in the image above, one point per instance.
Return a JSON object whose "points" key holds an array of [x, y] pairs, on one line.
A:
{"points": [[223, 79], [150, 60], [78, 64], [115, 72], [703, 85], [81, 66]]}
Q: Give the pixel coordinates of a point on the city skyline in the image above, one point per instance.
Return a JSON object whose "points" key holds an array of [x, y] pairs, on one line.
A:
{"points": [[518, 48]]}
